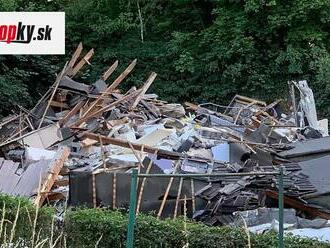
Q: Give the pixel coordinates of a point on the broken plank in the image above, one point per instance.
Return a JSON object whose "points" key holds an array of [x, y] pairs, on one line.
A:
{"points": [[88, 142], [56, 165], [72, 112], [62, 182], [75, 56], [178, 198], [314, 212], [122, 143], [249, 100], [57, 82], [144, 89], [108, 72], [59, 104], [112, 87], [106, 108], [143, 184], [122, 76], [162, 205], [55, 196], [81, 63]]}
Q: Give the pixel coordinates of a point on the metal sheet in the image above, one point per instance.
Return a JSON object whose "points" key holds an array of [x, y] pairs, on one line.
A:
{"points": [[319, 147]]}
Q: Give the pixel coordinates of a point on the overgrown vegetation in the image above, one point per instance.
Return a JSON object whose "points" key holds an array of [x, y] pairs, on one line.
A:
{"points": [[202, 50], [103, 228], [21, 223]]}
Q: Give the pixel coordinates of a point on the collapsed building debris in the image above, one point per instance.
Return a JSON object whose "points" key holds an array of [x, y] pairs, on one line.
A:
{"points": [[33, 177], [85, 139]]}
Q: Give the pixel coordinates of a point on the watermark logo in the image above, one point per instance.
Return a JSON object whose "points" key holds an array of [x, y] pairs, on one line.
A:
{"points": [[32, 33], [23, 33]]}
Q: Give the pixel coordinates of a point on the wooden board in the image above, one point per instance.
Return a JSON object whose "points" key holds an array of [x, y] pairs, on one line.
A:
{"points": [[56, 165]]}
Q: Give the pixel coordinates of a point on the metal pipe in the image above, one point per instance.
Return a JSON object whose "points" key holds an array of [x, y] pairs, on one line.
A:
{"points": [[132, 205], [281, 210], [212, 175]]}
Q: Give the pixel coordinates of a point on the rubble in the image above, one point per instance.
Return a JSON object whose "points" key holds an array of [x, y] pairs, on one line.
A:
{"points": [[33, 177], [85, 139]]}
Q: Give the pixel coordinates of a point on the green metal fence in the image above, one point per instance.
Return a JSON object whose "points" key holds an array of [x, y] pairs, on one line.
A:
{"points": [[133, 196]]}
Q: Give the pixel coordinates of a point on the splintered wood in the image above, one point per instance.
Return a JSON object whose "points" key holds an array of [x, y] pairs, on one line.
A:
{"points": [[54, 169], [71, 104], [111, 129]]}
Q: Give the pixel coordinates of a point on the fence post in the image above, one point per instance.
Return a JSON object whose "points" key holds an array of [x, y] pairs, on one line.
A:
{"points": [[280, 209], [132, 206]]}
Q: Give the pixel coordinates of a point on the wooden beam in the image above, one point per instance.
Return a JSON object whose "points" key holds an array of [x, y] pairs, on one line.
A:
{"points": [[55, 196], [71, 113], [123, 143], [178, 198], [29, 122], [143, 184], [313, 212], [122, 76], [57, 82], [8, 120], [62, 182], [105, 108], [88, 142], [75, 56], [195, 107], [56, 165], [144, 89], [191, 106], [94, 190], [249, 100], [108, 72], [169, 185], [114, 190], [81, 63], [59, 104], [112, 87]]}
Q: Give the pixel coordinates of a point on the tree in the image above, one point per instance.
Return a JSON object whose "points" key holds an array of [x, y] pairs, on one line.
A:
{"points": [[202, 50]]}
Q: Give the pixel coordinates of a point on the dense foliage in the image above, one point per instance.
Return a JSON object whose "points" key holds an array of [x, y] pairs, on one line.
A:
{"points": [[202, 50]]}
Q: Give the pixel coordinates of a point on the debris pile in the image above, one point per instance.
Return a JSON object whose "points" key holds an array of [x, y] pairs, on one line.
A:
{"points": [[81, 141]]}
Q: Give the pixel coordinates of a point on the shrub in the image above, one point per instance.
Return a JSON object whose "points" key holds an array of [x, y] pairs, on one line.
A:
{"points": [[103, 228], [88, 227]]}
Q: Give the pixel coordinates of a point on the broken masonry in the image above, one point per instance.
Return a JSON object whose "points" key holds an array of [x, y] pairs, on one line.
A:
{"points": [[81, 141]]}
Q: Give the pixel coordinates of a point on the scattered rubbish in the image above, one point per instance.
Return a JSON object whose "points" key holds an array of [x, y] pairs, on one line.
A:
{"points": [[32, 178], [81, 142]]}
